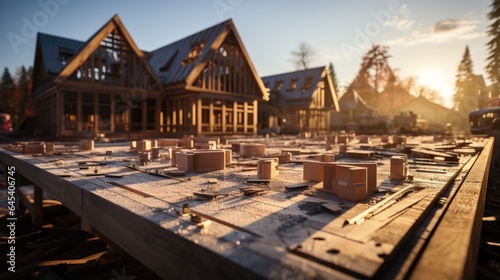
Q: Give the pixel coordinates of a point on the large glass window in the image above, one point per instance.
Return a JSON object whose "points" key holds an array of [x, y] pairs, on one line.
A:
{"points": [[70, 110]]}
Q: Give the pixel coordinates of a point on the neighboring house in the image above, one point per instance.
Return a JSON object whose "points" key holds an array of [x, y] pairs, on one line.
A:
{"points": [[300, 101], [203, 84], [436, 115], [392, 97]]}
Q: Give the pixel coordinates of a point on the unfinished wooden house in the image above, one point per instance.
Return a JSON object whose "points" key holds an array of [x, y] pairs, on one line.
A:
{"points": [[203, 84], [211, 84], [299, 101]]}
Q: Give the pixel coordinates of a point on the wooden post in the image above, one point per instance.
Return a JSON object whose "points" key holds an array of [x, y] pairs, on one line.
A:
{"points": [[59, 112], [235, 116], [224, 126], [211, 116], [255, 117], [96, 112], [79, 111], [37, 215], [198, 116], [245, 117], [112, 113]]}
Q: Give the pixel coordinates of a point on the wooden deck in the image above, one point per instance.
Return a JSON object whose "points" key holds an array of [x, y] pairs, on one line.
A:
{"points": [[431, 227]]}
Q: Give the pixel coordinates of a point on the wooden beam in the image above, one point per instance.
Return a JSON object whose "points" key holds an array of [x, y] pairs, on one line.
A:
{"points": [[452, 251]]}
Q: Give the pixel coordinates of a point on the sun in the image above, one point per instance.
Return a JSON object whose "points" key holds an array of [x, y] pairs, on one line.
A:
{"points": [[436, 79]]}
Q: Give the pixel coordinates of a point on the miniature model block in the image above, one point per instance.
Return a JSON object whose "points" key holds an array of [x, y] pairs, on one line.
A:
{"points": [[34, 148], [401, 140], [144, 156], [252, 150], [351, 182], [186, 143], [228, 156], [86, 145], [294, 152], [144, 145], [201, 161], [49, 148], [363, 139], [168, 142], [284, 157], [172, 154], [384, 138], [155, 153], [342, 139], [371, 169], [267, 168], [133, 146], [399, 167], [235, 147], [329, 177], [313, 171], [209, 145], [325, 157], [342, 149]]}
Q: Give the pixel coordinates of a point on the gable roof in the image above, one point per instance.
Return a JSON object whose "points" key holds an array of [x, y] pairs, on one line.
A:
{"points": [[92, 44], [420, 100], [167, 60], [299, 96]]}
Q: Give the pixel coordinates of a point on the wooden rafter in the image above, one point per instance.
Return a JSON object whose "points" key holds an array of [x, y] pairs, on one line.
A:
{"points": [[93, 44]]}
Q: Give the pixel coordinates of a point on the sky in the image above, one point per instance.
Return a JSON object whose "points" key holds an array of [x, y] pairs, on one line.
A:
{"points": [[426, 39]]}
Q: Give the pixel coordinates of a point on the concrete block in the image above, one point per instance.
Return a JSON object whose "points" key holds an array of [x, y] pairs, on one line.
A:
{"points": [[267, 168], [351, 182], [155, 153], [342, 149], [168, 142], [34, 148], [371, 181], [252, 150], [342, 139], [284, 157], [201, 161], [329, 177], [186, 143], [399, 167], [86, 145], [313, 171]]}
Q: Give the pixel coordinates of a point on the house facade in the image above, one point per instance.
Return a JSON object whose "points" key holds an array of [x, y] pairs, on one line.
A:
{"points": [[204, 84], [299, 101]]}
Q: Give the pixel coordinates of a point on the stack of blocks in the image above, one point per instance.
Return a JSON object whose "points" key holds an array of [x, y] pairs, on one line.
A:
{"points": [[351, 182], [86, 145], [399, 167], [267, 168]]}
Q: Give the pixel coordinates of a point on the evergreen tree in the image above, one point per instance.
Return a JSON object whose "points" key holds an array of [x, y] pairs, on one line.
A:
{"points": [[463, 93], [333, 76], [493, 66], [24, 90], [7, 88]]}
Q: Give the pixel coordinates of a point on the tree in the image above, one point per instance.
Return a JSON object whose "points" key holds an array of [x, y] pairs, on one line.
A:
{"points": [[303, 57], [375, 73], [493, 66], [7, 88], [333, 76], [24, 84], [463, 84]]}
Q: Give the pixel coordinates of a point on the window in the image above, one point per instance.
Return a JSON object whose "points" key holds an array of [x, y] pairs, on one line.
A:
{"points": [[66, 54], [308, 83], [70, 110], [195, 51], [278, 85], [293, 85]]}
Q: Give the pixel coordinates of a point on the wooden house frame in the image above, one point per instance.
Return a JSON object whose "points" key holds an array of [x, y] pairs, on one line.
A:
{"points": [[300, 101], [203, 84]]}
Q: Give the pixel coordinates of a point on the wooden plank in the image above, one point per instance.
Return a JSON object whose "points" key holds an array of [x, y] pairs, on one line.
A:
{"points": [[453, 248]]}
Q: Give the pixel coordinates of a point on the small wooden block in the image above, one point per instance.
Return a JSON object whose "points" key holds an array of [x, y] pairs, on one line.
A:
{"points": [[258, 181], [213, 181]]}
